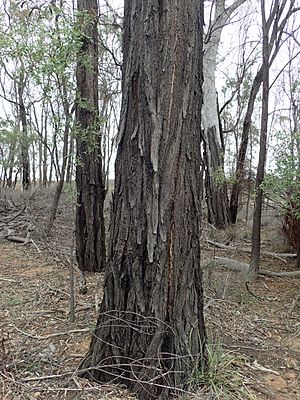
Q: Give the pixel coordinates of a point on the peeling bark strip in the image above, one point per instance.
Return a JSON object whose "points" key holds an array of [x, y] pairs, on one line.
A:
{"points": [[90, 232], [150, 332]]}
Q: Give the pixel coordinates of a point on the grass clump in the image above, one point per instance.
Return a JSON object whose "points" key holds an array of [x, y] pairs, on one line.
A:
{"points": [[221, 377]]}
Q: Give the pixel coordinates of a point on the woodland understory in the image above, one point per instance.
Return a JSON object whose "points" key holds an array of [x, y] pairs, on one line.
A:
{"points": [[254, 331], [150, 199]]}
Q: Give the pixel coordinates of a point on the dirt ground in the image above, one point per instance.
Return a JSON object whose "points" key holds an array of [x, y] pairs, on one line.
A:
{"points": [[40, 349]]}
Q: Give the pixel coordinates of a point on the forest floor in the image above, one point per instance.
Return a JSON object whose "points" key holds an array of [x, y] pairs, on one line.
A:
{"points": [[254, 331]]}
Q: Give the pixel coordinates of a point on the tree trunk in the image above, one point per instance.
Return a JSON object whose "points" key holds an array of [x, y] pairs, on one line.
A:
{"points": [[90, 231], [11, 158], [216, 191], [274, 44], [45, 151], [25, 164], [70, 165], [240, 166], [150, 333], [256, 229], [61, 181]]}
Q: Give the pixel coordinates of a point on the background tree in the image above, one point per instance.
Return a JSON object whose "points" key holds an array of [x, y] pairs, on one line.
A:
{"points": [[215, 184], [151, 322], [275, 19], [281, 12], [90, 231]]}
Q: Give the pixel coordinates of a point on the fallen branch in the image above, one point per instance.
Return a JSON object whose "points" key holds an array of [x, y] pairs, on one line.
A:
{"points": [[280, 256], [244, 268], [19, 239], [53, 334], [258, 367]]}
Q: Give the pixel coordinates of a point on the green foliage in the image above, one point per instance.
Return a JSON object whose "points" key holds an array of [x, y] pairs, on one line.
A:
{"points": [[221, 376], [283, 183]]}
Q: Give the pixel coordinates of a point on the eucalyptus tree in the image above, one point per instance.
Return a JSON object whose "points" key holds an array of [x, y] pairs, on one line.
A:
{"points": [[273, 28], [216, 193], [90, 185], [276, 24], [14, 81], [150, 333]]}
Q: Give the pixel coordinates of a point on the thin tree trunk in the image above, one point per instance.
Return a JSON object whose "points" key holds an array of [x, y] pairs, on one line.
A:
{"points": [[33, 165], [274, 44], [11, 158], [61, 181], [45, 150], [240, 166], [70, 159], [256, 229], [151, 328], [90, 230], [24, 139]]}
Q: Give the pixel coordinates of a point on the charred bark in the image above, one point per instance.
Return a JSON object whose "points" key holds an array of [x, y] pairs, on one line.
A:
{"points": [[90, 232], [150, 333]]}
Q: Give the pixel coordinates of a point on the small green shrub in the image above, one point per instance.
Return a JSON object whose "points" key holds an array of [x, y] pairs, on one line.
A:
{"points": [[222, 377]]}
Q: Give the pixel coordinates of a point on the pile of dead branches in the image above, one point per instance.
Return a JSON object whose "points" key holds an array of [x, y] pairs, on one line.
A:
{"points": [[16, 223]]}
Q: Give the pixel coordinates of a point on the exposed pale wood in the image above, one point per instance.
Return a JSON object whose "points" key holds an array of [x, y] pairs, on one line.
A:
{"points": [[236, 265], [280, 256]]}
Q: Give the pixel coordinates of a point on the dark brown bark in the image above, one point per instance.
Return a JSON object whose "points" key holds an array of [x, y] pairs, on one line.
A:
{"points": [[25, 164], [70, 165], [90, 231], [150, 333]]}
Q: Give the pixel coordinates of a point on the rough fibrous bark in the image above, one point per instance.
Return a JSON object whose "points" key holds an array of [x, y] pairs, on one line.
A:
{"points": [[150, 333], [90, 232]]}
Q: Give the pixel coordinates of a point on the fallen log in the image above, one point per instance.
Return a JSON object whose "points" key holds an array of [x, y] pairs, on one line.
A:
{"points": [[280, 256], [244, 268], [19, 239]]}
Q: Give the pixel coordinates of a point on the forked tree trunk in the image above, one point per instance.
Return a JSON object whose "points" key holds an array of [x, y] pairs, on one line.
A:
{"points": [[150, 332], [90, 232]]}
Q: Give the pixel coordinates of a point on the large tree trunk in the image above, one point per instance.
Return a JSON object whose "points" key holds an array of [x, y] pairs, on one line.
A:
{"points": [[216, 192], [90, 231], [150, 332]]}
